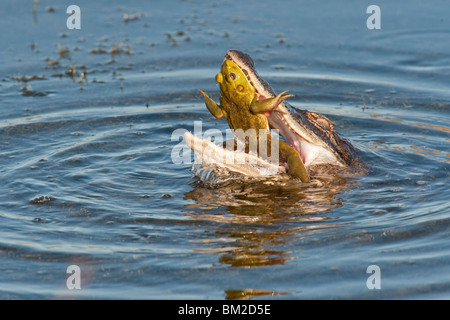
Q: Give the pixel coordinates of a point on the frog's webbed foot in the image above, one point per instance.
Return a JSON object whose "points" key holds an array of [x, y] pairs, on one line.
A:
{"points": [[212, 106], [297, 169], [295, 163], [269, 104]]}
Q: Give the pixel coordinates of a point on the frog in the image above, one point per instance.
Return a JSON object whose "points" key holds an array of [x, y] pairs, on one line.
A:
{"points": [[244, 109]]}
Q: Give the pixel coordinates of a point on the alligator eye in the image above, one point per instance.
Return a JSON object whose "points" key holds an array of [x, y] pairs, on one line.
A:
{"points": [[233, 76]]}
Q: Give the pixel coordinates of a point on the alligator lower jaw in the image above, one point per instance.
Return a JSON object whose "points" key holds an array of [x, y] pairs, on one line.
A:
{"points": [[208, 153]]}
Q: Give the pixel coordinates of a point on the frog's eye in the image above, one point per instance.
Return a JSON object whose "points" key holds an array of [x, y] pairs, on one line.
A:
{"points": [[232, 76]]}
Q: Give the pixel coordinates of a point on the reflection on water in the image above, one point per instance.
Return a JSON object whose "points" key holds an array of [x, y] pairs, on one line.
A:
{"points": [[86, 118], [241, 205], [442, 155], [245, 294]]}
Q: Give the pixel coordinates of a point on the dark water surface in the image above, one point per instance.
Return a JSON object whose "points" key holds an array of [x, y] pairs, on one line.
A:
{"points": [[87, 177]]}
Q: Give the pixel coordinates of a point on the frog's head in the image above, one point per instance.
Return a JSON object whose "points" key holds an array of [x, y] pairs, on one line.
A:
{"points": [[234, 85]]}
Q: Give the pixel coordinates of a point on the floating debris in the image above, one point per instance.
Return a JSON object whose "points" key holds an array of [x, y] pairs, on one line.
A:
{"points": [[118, 50], [52, 63], [98, 51], [127, 18], [72, 72], [24, 78], [32, 93], [63, 52], [171, 39], [33, 10], [42, 199], [80, 80], [121, 82]]}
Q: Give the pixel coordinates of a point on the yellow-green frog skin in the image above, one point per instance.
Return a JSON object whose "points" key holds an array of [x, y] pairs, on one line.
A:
{"points": [[241, 107]]}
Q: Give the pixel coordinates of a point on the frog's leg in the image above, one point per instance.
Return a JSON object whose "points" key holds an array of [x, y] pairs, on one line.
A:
{"points": [[212, 106], [267, 105], [295, 164]]}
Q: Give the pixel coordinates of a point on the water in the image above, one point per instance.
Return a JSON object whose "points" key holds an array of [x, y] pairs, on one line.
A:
{"points": [[88, 180]]}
